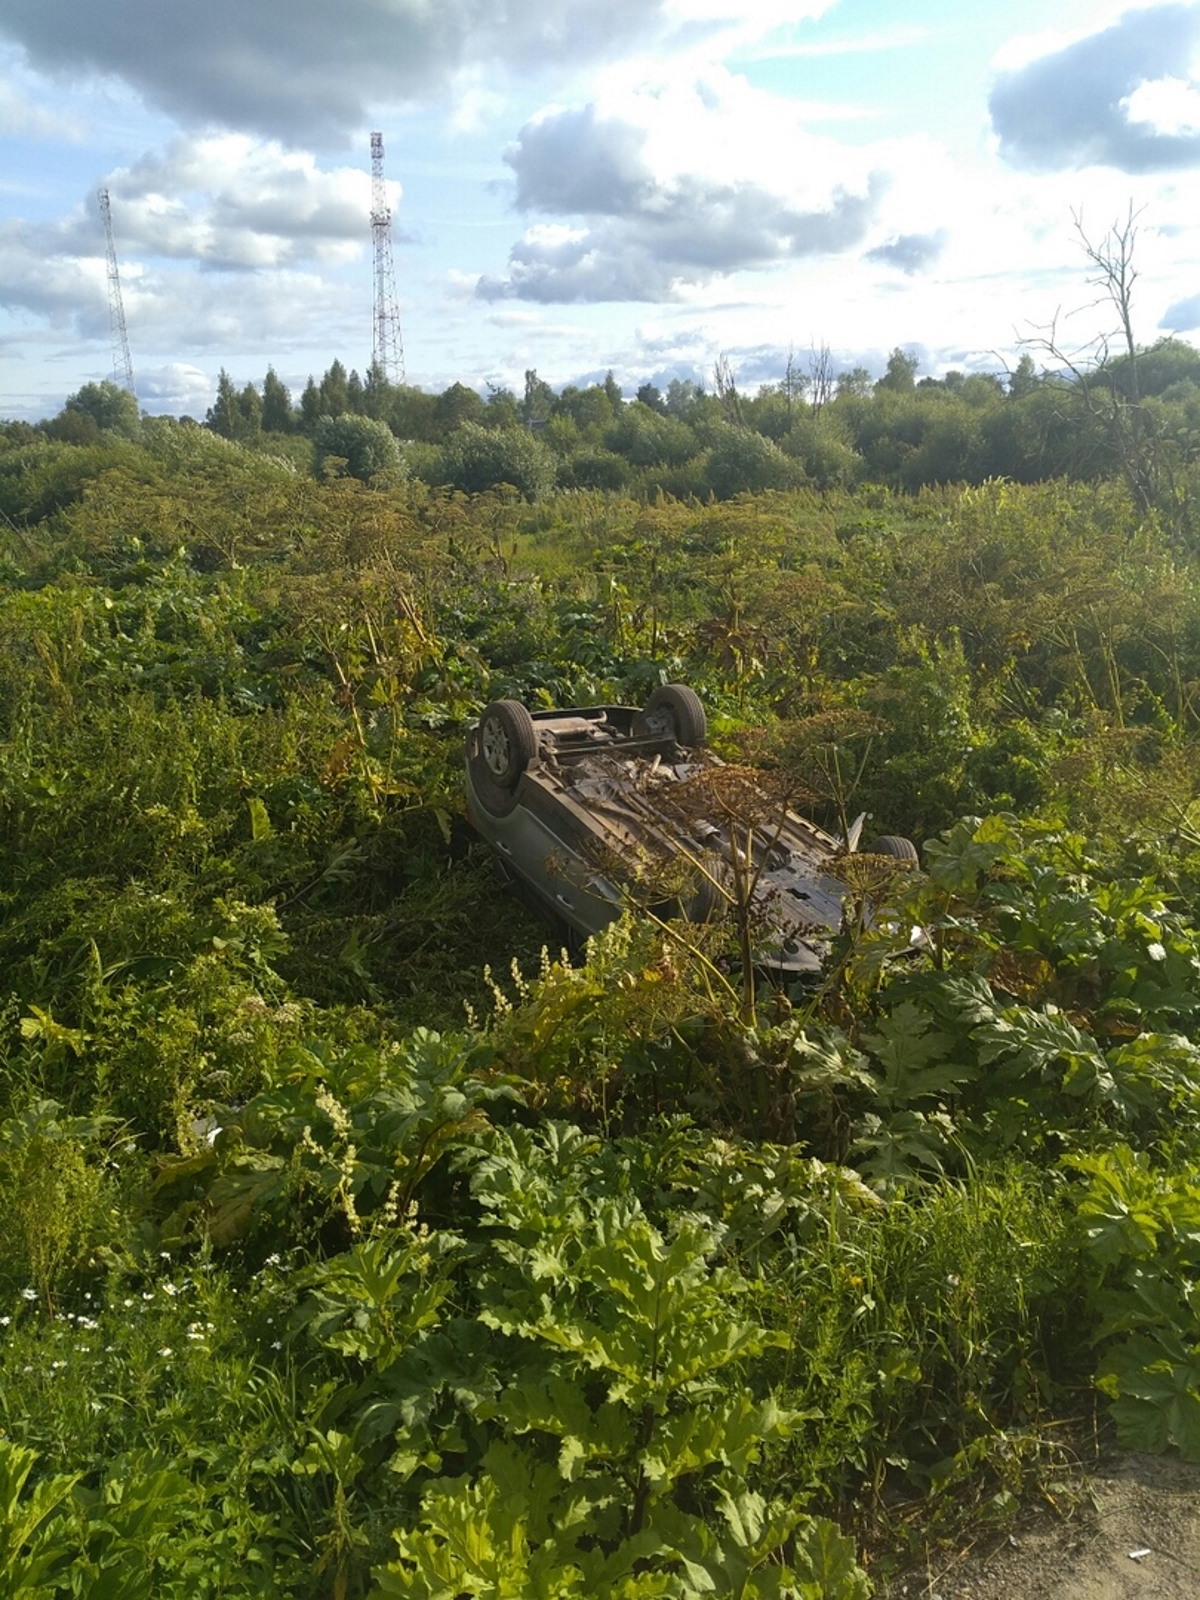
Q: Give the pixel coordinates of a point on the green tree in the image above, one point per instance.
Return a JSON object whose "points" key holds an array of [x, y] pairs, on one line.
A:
{"points": [[590, 409], [1023, 378], [595, 468], [951, 450], [1046, 432], [112, 408], [276, 404], [413, 414], [647, 439], [335, 391], [561, 434], [682, 395], [745, 462], [365, 444], [1167, 362], [503, 410], [310, 405], [857, 382], [71, 427], [476, 459], [224, 416], [771, 411], [539, 398], [821, 444], [251, 408], [454, 406], [901, 373], [887, 427], [377, 392], [981, 390]]}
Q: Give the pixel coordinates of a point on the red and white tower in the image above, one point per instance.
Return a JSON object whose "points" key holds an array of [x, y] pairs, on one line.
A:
{"points": [[387, 350], [122, 361]]}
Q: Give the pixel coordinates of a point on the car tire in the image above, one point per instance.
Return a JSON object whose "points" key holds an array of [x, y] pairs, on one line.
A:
{"points": [[679, 706], [507, 741], [706, 902], [894, 845]]}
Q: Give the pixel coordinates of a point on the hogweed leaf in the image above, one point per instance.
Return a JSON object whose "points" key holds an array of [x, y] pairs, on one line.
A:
{"points": [[35, 1543], [1122, 1212], [1154, 1382], [913, 1052], [825, 1564]]}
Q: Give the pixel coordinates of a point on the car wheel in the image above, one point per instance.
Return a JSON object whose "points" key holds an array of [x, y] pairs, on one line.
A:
{"points": [[678, 711], [706, 903], [894, 845], [507, 741]]}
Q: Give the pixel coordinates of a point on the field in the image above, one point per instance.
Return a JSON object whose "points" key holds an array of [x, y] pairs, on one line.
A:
{"points": [[356, 1242]]}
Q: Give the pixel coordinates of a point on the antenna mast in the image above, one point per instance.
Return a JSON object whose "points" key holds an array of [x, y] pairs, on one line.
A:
{"points": [[122, 362], [387, 351]]}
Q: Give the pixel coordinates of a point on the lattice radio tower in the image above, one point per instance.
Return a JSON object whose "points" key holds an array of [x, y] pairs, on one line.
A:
{"points": [[387, 352], [122, 362]]}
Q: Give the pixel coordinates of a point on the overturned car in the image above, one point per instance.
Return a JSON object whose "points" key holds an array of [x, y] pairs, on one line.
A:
{"points": [[595, 808]]}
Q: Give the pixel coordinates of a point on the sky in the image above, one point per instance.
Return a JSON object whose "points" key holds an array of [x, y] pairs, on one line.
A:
{"points": [[576, 186]]}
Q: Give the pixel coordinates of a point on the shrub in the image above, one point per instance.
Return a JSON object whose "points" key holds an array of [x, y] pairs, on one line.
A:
{"points": [[744, 462], [366, 446], [476, 459]]}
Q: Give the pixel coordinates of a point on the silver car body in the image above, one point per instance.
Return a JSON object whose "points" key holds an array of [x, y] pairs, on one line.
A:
{"points": [[591, 808]]}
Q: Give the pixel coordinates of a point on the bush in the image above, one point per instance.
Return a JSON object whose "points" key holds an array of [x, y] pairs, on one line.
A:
{"points": [[476, 459], [107, 406], [647, 439], [366, 446], [821, 447], [744, 462], [594, 469]]}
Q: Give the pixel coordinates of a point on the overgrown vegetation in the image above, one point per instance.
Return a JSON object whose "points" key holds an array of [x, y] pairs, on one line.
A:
{"points": [[353, 1243]]}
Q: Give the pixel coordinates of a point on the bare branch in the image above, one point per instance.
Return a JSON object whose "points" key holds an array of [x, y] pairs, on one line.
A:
{"points": [[820, 377], [1109, 387], [727, 392]]}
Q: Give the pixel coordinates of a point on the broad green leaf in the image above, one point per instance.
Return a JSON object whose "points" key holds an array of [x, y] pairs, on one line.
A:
{"points": [[825, 1564], [1155, 1386]]}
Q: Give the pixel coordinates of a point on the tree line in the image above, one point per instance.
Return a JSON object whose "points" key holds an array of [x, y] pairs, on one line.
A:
{"points": [[1136, 415]]}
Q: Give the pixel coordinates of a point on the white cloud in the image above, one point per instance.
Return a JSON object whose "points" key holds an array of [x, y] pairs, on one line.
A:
{"points": [[311, 72], [1022, 49], [673, 181], [1167, 106], [234, 202], [266, 229], [36, 278], [516, 317], [870, 43], [476, 99], [732, 22], [1077, 105], [23, 117], [57, 273], [176, 388]]}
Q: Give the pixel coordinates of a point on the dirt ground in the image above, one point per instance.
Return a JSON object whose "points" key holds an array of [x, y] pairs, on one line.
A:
{"points": [[1134, 1535]]}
